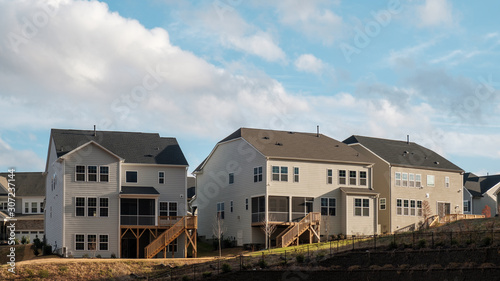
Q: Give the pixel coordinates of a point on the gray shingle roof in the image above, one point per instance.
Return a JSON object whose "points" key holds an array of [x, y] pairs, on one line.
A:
{"points": [[138, 190], [477, 186], [401, 153], [296, 145], [28, 183], [143, 148]]}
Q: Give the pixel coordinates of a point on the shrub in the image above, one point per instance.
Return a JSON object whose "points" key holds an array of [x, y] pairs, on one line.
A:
{"points": [[23, 240], [47, 250], [207, 274], [226, 268], [300, 258], [262, 263], [421, 244], [85, 256], [113, 256], [16, 240], [98, 257]]}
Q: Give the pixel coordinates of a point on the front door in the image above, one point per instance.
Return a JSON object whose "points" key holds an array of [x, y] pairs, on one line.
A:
{"points": [[444, 209]]}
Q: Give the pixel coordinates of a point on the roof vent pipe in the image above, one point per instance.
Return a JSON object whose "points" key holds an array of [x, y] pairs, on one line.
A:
{"points": [[407, 139], [95, 133], [317, 131]]}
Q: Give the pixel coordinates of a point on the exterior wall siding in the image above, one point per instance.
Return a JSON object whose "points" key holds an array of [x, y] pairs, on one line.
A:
{"points": [[313, 182], [212, 186], [433, 195], [86, 225], [53, 200], [489, 198]]}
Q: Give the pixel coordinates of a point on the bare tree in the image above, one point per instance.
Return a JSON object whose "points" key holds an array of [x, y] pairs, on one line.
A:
{"points": [[268, 229], [426, 213], [218, 230]]}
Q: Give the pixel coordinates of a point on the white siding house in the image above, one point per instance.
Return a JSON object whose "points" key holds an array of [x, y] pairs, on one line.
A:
{"points": [[280, 177], [482, 191], [106, 192]]}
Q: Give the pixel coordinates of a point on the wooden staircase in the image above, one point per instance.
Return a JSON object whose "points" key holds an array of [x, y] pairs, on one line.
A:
{"points": [[167, 237], [291, 235]]}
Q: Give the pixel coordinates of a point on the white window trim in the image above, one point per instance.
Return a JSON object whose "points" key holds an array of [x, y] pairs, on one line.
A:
{"points": [[261, 174], [168, 207], [427, 180], [84, 173], [420, 181], [328, 206], [129, 181], [84, 241], [99, 173], [99, 242], [329, 179], [356, 178], [158, 177], [96, 173], [447, 182], [396, 179], [403, 180], [402, 213], [365, 178], [99, 206], [346, 177], [294, 174], [380, 204]]}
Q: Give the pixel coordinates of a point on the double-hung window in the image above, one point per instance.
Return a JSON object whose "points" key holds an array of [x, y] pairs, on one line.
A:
{"points": [[80, 173], [352, 178], [103, 242], [362, 178], [329, 176], [91, 173], [328, 206], [398, 178], [342, 177], [280, 173], [92, 207], [220, 210], [446, 181], [295, 174], [399, 207], [418, 180], [257, 174], [103, 207], [80, 206], [103, 173], [382, 203], [161, 177], [79, 242], [406, 204], [405, 179], [412, 180], [413, 209]]}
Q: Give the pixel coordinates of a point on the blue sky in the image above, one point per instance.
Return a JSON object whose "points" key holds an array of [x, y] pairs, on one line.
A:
{"points": [[199, 70]]}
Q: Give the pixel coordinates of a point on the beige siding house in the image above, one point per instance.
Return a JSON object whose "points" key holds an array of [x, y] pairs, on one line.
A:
{"points": [[409, 177], [481, 191], [114, 193], [255, 176]]}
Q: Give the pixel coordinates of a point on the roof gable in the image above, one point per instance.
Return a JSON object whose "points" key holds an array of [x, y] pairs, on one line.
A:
{"points": [[402, 153], [132, 147], [478, 186]]}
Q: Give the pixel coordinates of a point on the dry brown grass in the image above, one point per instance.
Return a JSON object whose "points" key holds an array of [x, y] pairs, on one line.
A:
{"points": [[89, 269]]}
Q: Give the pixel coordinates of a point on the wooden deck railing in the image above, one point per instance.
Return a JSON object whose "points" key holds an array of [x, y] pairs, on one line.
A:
{"points": [[455, 217], [167, 237], [299, 228]]}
